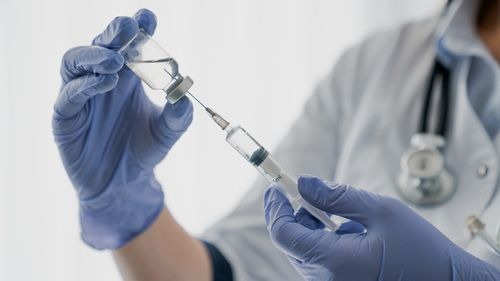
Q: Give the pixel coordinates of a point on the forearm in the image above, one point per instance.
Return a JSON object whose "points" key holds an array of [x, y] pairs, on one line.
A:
{"points": [[164, 252]]}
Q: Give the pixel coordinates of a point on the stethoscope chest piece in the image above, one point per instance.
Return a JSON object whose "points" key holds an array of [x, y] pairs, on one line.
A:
{"points": [[424, 179]]}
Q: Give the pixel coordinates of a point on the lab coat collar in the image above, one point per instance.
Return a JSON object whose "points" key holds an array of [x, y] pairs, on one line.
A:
{"points": [[457, 36]]}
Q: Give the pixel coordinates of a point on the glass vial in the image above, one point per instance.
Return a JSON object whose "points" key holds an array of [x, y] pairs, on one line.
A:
{"points": [[148, 60]]}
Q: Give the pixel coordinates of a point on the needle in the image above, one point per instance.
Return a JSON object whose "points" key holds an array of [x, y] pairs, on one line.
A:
{"points": [[219, 120], [196, 99]]}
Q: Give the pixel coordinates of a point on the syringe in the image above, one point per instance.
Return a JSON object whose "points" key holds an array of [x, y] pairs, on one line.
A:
{"points": [[260, 158], [148, 60]]}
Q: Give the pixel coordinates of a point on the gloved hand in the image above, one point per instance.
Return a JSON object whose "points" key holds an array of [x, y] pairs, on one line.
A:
{"points": [[398, 244], [111, 136]]}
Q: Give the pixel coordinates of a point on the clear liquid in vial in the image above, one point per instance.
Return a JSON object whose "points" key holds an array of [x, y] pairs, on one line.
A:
{"points": [[158, 74]]}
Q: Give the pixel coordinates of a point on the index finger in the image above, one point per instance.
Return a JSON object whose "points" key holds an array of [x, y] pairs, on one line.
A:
{"points": [[80, 61], [146, 20], [123, 29]]}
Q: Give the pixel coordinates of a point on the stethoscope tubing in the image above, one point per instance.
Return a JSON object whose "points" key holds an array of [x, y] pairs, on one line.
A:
{"points": [[438, 70]]}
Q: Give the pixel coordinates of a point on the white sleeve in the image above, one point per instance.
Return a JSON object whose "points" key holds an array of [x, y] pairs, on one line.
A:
{"points": [[310, 147]]}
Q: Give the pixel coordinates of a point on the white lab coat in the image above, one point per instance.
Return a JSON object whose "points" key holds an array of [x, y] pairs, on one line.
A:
{"points": [[354, 129]]}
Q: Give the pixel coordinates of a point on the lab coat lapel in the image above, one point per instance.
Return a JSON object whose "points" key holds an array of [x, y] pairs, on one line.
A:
{"points": [[469, 148], [490, 217]]}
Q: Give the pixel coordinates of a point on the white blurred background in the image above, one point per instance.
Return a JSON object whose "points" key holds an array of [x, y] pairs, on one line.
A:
{"points": [[255, 61]]}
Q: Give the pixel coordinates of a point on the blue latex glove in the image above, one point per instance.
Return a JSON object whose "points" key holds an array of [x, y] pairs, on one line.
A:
{"points": [[111, 136], [398, 244]]}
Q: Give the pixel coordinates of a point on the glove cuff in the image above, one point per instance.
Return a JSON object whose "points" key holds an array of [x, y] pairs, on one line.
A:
{"points": [[120, 213]]}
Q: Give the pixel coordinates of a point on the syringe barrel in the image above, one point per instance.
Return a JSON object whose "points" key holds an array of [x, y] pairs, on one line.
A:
{"points": [[258, 156], [287, 184]]}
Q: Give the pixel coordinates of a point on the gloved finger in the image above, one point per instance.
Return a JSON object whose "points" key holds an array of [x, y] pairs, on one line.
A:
{"points": [[75, 94], [341, 200], [146, 20], [291, 237], [350, 227], [89, 60], [304, 218], [119, 32], [174, 121]]}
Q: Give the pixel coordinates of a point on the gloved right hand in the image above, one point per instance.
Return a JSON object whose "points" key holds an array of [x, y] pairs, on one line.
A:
{"points": [[110, 136], [398, 243]]}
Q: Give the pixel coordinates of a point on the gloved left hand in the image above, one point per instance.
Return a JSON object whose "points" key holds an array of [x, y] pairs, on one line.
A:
{"points": [[398, 244], [111, 136]]}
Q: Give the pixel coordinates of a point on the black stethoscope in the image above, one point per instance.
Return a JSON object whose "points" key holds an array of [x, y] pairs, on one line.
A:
{"points": [[424, 179]]}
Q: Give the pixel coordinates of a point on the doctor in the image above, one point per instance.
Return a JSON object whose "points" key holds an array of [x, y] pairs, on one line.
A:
{"points": [[372, 123]]}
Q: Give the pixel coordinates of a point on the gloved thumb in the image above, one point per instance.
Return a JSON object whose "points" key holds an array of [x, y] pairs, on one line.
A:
{"points": [[341, 200], [173, 122], [178, 116]]}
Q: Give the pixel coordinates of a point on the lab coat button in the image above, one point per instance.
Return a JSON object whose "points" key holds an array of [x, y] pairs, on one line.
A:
{"points": [[482, 171]]}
